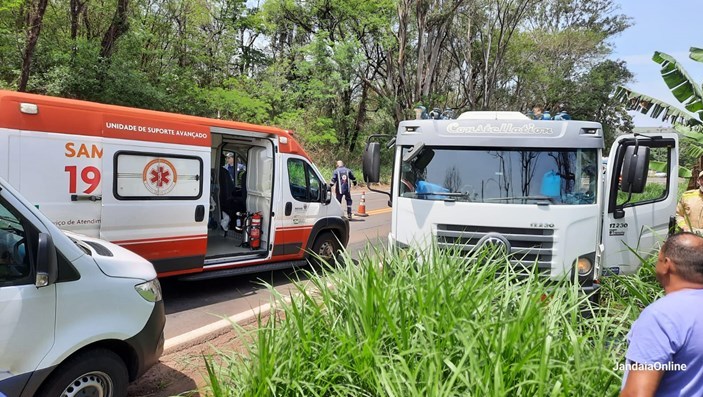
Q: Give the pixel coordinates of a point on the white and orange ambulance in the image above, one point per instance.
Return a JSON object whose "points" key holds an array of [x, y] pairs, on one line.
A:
{"points": [[157, 184]]}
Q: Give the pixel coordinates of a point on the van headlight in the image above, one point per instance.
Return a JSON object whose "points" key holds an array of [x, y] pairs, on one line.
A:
{"points": [[150, 290]]}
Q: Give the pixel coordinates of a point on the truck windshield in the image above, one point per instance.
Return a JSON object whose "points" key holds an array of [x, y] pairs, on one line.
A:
{"points": [[501, 175]]}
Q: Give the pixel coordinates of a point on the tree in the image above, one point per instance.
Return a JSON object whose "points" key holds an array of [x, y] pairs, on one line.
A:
{"points": [[687, 123], [35, 16]]}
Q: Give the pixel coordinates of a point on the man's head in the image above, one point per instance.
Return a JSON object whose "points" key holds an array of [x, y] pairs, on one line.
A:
{"points": [[340, 163], [680, 261], [229, 157], [538, 110]]}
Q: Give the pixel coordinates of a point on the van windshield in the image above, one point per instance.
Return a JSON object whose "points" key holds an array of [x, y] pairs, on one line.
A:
{"points": [[501, 175]]}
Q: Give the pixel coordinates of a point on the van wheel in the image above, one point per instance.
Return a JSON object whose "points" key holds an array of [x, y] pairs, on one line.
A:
{"points": [[325, 249], [97, 372]]}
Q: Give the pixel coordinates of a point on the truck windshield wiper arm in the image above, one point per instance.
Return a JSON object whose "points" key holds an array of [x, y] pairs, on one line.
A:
{"points": [[452, 194], [542, 199]]}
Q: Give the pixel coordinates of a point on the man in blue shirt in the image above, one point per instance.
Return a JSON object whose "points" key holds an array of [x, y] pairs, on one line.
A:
{"points": [[665, 352]]}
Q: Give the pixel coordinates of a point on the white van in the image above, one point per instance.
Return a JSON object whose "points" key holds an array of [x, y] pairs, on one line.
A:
{"points": [[78, 315]]}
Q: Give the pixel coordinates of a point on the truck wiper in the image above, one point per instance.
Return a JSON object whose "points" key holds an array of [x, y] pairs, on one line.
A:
{"points": [[541, 199], [452, 194]]}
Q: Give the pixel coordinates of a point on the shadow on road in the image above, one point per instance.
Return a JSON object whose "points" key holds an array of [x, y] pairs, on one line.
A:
{"points": [[182, 295]]}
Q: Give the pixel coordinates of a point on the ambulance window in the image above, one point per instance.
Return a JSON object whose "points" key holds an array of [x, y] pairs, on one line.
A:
{"points": [[156, 176], [304, 183], [314, 184], [15, 265]]}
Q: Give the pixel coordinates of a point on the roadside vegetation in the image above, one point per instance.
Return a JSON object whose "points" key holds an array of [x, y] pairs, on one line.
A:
{"points": [[334, 71], [436, 324]]}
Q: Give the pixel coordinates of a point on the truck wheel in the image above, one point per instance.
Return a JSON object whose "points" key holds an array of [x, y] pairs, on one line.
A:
{"points": [[325, 249], [97, 372]]}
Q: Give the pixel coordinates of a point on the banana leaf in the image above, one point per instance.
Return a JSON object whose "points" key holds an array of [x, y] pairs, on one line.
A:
{"points": [[696, 54], [661, 166], [653, 107], [680, 83]]}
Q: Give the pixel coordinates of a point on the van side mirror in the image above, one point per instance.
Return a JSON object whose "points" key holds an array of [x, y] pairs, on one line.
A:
{"points": [[47, 264], [634, 169], [371, 162]]}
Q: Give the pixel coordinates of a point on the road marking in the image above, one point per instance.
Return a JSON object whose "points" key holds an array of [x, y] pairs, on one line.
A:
{"points": [[174, 344], [379, 211]]}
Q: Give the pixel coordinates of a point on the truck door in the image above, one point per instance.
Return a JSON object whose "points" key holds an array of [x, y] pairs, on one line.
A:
{"points": [[27, 313], [157, 203], [634, 225]]}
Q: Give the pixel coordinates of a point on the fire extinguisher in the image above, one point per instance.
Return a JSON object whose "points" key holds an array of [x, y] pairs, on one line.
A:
{"points": [[255, 232]]}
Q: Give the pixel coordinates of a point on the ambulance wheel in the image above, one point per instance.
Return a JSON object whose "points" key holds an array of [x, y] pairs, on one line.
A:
{"points": [[97, 372], [325, 249]]}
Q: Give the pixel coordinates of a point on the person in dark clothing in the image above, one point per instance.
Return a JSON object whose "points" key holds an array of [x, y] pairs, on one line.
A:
{"points": [[226, 181], [341, 178]]}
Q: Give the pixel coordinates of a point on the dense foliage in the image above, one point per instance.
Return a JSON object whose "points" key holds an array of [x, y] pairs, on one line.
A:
{"points": [[333, 70]]}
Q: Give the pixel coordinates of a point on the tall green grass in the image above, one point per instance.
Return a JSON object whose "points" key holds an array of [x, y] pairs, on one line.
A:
{"points": [[432, 324]]}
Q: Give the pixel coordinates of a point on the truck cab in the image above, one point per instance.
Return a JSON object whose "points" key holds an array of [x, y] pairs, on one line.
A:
{"points": [[537, 188]]}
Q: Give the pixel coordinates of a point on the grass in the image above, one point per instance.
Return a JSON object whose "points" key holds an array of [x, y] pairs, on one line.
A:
{"points": [[435, 324]]}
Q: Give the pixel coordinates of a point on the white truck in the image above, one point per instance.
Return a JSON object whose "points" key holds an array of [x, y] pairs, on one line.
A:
{"points": [[538, 188], [78, 316]]}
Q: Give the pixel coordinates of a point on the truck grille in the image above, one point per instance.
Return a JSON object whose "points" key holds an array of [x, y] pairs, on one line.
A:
{"points": [[527, 246]]}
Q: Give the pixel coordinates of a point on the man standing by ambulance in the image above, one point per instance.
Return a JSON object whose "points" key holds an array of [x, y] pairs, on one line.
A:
{"points": [[341, 177]]}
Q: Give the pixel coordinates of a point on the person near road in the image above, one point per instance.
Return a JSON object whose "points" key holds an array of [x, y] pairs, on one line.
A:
{"points": [[538, 113], [342, 177], [689, 213], [665, 344], [226, 180]]}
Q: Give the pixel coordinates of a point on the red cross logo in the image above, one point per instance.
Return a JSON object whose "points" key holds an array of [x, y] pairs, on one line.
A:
{"points": [[159, 177]]}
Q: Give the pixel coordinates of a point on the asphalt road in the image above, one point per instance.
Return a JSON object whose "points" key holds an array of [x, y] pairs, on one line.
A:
{"points": [[194, 304]]}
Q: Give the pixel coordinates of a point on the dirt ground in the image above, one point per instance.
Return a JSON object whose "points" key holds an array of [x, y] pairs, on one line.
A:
{"points": [[181, 370]]}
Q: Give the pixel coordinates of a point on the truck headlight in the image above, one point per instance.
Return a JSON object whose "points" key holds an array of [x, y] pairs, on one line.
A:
{"points": [[150, 290], [584, 265]]}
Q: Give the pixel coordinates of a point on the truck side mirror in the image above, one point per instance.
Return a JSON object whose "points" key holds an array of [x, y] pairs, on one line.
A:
{"points": [[371, 162], [634, 169], [47, 264]]}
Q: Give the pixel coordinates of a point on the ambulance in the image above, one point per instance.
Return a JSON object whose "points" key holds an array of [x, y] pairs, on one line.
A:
{"points": [[160, 185]]}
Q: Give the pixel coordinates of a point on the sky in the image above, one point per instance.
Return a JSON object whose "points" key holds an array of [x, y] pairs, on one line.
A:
{"points": [[669, 26]]}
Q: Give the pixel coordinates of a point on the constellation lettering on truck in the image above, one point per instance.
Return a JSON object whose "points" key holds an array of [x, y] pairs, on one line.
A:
{"points": [[504, 128]]}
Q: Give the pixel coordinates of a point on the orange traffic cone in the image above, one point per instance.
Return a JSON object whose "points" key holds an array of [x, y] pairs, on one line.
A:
{"points": [[362, 205]]}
